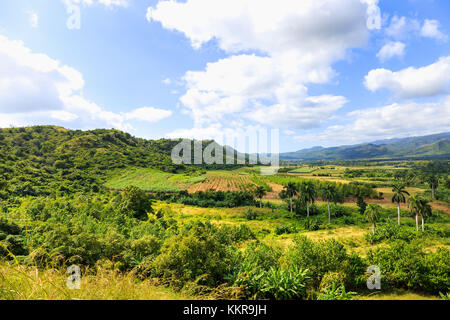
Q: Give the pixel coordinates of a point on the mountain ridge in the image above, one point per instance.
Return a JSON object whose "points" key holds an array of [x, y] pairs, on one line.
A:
{"points": [[429, 145]]}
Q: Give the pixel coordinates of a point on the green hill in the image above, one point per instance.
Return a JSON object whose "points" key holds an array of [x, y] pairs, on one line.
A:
{"points": [[44, 159]]}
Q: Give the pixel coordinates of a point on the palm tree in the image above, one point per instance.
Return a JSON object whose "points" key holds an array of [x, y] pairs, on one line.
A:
{"points": [[415, 207], [307, 195], [372, 214], [260, 193], [425, 212], [291, 191], [433, 181], [399, 196], [328, 193]]}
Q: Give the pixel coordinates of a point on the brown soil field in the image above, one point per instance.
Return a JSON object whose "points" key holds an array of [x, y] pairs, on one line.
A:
{"points": [[229, 183], [276, 189]]}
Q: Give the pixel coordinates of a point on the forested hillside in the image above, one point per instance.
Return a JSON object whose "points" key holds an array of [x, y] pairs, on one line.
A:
{"points": [[39, 160]]}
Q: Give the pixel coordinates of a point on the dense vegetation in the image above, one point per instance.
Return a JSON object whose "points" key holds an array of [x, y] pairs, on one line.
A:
{"points": [[57, 209]]}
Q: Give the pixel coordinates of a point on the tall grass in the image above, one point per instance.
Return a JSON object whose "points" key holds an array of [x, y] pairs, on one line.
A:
{"points": [[18, 282]]}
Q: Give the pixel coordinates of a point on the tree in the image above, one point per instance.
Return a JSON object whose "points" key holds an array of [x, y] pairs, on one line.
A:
{"points": [[260, 193], [362, 205], [399, 196], [307, 195], [373, 214], [433, 181], [291, 191], [329, 193], [136, 203], [425, 212], [419, 206]]}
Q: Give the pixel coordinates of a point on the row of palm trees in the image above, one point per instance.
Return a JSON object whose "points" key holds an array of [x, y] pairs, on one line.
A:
{"points": [[417, 205], [307, 193]]}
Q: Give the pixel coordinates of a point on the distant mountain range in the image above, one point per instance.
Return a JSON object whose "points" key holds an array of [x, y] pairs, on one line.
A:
{"points": [[436, 145]]}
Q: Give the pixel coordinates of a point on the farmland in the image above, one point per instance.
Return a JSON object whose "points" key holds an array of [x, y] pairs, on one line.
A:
{"points": [[153, 180]]}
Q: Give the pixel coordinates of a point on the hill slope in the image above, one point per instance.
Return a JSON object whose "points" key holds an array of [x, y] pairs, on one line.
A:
{"points": [[45, 159], [432, 145]]}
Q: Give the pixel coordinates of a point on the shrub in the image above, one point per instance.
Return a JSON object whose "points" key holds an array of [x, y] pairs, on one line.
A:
{"points": [[405, 265], [193, 254], [323, 257], [331, 279], [285, 229], [228, 235], [251, 215], [391, 232], [312, 225]]}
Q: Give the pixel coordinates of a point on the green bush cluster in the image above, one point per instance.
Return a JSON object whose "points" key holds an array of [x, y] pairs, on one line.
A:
{"points": [[406, 265]]}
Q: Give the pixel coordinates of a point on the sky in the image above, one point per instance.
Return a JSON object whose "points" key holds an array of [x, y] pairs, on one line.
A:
{"points": [[322, 72]]}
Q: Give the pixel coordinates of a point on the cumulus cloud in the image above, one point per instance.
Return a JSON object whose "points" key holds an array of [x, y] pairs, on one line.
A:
{"points": [[390, 50], [412, 82], [402, 27], [36, 89], [275, 50], [392, 121], [430, 29]]}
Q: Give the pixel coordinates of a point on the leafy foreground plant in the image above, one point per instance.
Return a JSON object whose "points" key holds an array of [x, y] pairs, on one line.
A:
{"points": [[276, 283], [336, 293], [445, 296]]}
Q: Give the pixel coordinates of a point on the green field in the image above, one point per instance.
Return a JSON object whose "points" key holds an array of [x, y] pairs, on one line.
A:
{"points": [[152, 180], [303, 170]]}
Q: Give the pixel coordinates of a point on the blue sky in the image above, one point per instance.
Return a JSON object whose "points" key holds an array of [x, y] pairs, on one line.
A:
{"points": [[322, 72]]}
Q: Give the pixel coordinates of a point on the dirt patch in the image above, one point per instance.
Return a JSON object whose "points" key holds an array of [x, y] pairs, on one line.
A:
{"points": [[276, 189]]}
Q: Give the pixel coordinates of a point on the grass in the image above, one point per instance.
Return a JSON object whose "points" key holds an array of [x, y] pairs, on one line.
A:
{"points": [[303, 170], [29, 283], [152, 180]]}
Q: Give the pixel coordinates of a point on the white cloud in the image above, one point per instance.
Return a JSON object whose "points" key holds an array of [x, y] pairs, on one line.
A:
{"points": [[148, 114], [412, 82], [308, 114], [33, 19], [390, 50], [401, 27], [36, 89], [430, 29], [393, 121], [167, 81], [296, 43]]}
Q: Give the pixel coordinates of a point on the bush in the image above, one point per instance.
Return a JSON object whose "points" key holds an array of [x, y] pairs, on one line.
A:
{"points": [[331, 279], [193, 254], [228, 235], [391, 232], [312, 225], [405, 265], [251, 215], [323, 257], [285, 229]]}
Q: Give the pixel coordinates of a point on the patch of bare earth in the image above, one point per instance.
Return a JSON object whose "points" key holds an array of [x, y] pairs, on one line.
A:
{"points": [[276, 189]]}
